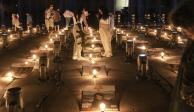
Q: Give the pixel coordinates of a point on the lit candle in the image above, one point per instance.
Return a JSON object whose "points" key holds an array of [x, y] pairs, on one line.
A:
{"points": [[155, 31], [122, 32], [34, 57], [143, 48], [93, 61], [94, 72], [26, 63], [90, 55], [51, 40], [102, 107], [93, 46], [46, 46], [162, 55]]}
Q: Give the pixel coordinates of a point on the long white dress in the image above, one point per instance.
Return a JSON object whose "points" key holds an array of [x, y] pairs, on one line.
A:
{"points": [[106, 36]]}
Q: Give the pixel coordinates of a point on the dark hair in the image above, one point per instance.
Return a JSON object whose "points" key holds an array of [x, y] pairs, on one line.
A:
{"points": [[105, 13], [183, 15]]}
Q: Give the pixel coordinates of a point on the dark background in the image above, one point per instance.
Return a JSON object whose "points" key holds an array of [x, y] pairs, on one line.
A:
{"points": [[37, 7]]}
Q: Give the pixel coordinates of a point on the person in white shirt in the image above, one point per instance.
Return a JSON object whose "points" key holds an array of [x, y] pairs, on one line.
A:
{"points": [[105, 32], [68, 16]]}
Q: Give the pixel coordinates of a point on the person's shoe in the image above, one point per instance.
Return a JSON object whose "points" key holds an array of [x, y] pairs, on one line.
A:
{"points": [[75, 58], [103, 54]]}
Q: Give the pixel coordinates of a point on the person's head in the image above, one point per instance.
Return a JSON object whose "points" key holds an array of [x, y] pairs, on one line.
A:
{"points": [[51, 7], [104, 12], [183, 16]]}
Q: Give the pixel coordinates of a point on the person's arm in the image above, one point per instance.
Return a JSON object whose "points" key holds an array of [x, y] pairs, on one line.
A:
{"points": [[85, 21]]}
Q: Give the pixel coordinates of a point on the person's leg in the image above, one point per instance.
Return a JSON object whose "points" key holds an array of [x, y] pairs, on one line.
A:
{"points": [[75, 51], [47, 24], [52, 23], [79, 50], [102, 37]]}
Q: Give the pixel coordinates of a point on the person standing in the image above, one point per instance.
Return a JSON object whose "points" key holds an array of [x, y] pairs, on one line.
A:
{"points": [[77, 34], [83, 20], [105, 32], [49, 18], [28, 21], [15, 21], [183, 93], [68, 16], [57, 19]]}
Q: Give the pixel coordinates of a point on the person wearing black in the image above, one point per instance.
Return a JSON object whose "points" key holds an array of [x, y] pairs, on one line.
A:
{"points": [[183, 93]]}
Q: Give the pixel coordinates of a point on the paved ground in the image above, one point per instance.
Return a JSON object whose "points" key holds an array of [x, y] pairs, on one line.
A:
{"points": [[134, 95]]}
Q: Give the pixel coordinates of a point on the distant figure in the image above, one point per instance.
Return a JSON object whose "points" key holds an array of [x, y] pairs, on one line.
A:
{"points": [[183, 94], [105, 32], [15, 21], [49, 18], [28, 20], [57, 19], [68, 16], [83, 20]]}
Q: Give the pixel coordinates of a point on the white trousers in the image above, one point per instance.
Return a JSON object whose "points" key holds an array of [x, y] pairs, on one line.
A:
{"points": [[106, 38]]}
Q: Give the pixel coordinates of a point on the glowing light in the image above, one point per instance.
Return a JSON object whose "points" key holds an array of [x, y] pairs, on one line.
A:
{"points": [[46, 46], [9, 74], [51, 40], [155, 31], [102, 107], [11, 36], [93, 46], [34, 30], [134, 39], [91, 34], [34, 57], [165, 34], [8, 30], [122, 32], [93, 61], [90, 55], [127, 34], [143, 47], [179, 38], [162, 55], [8, 77], [26, 63]]}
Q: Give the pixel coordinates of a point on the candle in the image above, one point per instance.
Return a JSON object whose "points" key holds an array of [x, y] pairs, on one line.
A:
{"points": [[51, 40], [46, 46], [26, 63], [94, 72], [93, 46], [90, 55], [93, 62], [162, 55]]}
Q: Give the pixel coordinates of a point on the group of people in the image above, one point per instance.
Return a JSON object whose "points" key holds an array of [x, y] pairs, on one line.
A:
{"points": [[80, 27], [16, 21]]}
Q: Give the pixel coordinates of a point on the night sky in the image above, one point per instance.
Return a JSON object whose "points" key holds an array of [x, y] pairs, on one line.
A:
{"points": [[37, 7]]}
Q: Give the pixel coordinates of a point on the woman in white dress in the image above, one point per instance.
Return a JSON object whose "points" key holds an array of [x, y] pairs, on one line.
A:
{"points": [[105, 32], [15, 21]]}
